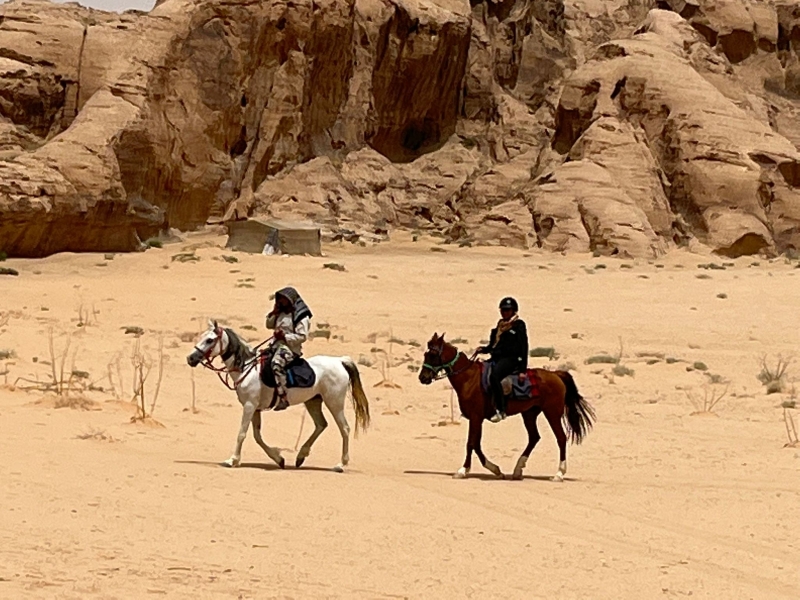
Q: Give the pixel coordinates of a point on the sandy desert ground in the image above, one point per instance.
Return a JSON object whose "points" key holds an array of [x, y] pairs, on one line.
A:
{"points": [[659, 503]]}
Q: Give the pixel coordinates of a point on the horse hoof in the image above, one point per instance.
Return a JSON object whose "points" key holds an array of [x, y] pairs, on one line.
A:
{"points": [[230, 463], [282, 463], [299, 462], [338, 469], [517, 476], [558, 478], [460, 474]]}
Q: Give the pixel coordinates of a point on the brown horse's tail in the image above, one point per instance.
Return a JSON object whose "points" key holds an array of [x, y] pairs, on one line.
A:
{"points": [[578, 413], [360, 402]]}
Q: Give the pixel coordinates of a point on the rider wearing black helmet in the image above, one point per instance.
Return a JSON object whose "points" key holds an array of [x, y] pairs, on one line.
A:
{"points": [[508, 347]]}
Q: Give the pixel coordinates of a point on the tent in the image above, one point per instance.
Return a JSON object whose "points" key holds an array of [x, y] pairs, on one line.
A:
{"points": [[285, 237]]}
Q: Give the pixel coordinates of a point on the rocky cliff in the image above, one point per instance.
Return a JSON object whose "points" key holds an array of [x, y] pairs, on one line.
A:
{"points": [[576, 125]]}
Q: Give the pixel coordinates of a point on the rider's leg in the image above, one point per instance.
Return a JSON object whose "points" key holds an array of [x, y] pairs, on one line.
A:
{"points": [[282, 357], [500, 370]]}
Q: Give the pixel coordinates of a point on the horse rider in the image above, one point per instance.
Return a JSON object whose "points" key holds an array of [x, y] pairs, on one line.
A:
{"points": [[508, 347], [290, 320]]}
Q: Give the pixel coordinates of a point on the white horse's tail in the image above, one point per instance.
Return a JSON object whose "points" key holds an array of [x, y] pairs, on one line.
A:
{"points": [[360, 402]]}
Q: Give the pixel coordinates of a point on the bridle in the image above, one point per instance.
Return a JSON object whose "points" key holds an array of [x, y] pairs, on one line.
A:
{"points": [[224, 373], [441, 371]]}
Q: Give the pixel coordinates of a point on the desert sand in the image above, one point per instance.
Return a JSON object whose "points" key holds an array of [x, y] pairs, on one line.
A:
{"points": [[658, 502]]}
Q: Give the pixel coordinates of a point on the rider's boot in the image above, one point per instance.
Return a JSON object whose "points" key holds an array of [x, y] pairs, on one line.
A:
{"points": [[500, 410], [282, 402]]}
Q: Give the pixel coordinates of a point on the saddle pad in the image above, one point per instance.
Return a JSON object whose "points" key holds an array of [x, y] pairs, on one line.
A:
{"points": [[512, 386], [299, 374]]}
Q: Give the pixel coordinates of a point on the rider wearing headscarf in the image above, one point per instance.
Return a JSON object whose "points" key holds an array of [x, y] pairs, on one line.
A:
{"points": [[508, 347], [290, 319]]}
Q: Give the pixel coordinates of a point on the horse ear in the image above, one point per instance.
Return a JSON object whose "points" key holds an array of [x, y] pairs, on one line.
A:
{"points": [[211, 324], [441, 337], [216, 326]]}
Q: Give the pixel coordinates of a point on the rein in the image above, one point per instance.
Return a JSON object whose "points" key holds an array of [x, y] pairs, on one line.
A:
{"points": [[224, 373]]}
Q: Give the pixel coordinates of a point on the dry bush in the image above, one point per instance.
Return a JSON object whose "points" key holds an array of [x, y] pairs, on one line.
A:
{"points": [[387, 362], [712, 396], [86, 316], [791, 429], [143, 364], [774, 378], [66, 386], [95, 434]]}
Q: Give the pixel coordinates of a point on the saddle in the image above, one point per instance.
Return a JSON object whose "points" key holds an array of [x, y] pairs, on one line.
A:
{"points": [[299, 373], [513, 388]]}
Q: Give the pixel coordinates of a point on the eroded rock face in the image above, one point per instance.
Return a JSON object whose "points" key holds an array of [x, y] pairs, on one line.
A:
{"points": [[572, 124], [720, 162]]}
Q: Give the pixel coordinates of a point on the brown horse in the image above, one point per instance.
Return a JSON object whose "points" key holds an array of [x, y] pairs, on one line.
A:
{"points": [[558, 399]]}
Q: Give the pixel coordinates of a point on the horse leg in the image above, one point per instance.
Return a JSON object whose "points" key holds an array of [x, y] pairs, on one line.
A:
{"points": [[314, 408], [475, 432], [248, 409], [273, 453], [554, 418], [463, 471], [344, 429], [529, 417]]}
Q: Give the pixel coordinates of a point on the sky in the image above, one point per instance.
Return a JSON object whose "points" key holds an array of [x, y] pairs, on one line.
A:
{"points": [[115, 5]]}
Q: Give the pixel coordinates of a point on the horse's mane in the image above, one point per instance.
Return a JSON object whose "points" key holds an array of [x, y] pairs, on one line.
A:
{"points": [[241, 350]]}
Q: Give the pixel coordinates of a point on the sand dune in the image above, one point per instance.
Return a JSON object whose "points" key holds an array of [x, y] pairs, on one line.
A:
{"points": [[658, 502]]}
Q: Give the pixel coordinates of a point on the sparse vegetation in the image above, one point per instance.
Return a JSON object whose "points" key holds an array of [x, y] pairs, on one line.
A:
{"points": [[134, 330], [67, 385], [334, 267], [365, 361], [86, 317], [142, 367], [622, 371], [715, 378], [791, 429], [95, 434], [154, 243], [712, 396], [386, 363], [548, 352], [699, 366], [185, 257], [601, 359], [774, 378], [8, 271]]}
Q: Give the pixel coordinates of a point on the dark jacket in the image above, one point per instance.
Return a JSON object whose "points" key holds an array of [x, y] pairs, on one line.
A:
{"points": [[513, 344]]}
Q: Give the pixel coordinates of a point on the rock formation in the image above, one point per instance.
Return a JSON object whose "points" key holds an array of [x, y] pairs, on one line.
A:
{"points": [[575, 125]]}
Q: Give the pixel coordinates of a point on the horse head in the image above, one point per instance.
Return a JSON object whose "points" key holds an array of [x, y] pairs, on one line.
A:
{"points": [[212, 344], [439, 357]]}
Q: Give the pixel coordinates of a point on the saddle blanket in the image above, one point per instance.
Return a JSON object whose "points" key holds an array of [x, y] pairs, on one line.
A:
{"points": [[299, 373], [512, 386]]}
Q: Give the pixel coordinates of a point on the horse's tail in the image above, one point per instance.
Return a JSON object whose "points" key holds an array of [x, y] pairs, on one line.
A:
{"points": [[578, 413], [360, 402]]}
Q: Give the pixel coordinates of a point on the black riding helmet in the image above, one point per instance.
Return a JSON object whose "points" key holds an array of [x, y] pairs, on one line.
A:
{"points": [[509, 302]]}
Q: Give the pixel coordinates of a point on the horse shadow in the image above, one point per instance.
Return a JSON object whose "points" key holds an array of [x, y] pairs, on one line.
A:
{"points": [[489, 476], [252, 465]]}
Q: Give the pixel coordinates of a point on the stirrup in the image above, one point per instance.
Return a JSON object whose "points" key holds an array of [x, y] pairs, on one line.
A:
{"points": [[497, 417]]}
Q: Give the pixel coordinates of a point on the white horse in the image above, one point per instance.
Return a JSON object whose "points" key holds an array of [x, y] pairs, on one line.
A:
{"points": [[333, 376]]}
